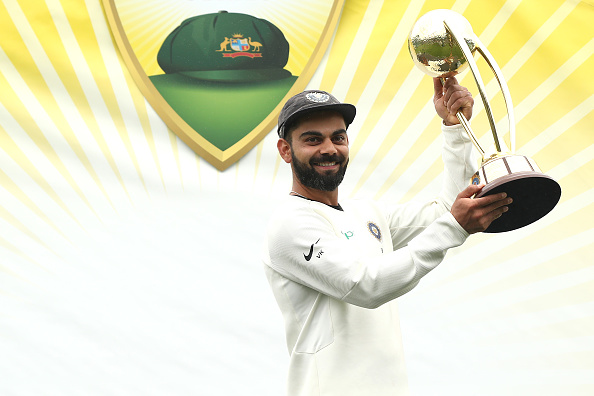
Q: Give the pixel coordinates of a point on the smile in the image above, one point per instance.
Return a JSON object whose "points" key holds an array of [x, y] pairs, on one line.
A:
{"points": [[327, 164]]}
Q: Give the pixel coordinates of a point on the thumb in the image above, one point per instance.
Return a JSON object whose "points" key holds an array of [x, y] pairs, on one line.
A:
{"points": [[437, 88], [471, 190]]}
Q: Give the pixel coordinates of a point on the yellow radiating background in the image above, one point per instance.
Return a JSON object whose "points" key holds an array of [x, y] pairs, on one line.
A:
{"points": [[130, 265]]}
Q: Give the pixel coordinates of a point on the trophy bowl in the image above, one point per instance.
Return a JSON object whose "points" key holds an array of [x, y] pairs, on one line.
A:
{"points": [[433, 49], [442, 44]]}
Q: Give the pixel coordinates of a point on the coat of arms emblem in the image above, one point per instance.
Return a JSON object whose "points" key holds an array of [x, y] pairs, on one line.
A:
{"points": [[239, 44]]}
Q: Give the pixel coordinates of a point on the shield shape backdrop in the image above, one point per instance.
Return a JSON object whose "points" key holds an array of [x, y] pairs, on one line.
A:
{"points": [[218, 119]]}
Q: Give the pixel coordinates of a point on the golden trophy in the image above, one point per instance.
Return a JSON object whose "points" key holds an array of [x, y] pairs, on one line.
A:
{"points": [[441, 44]]}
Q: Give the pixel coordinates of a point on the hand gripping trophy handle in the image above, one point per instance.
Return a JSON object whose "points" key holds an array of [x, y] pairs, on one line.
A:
{"points": [[441, 44]]}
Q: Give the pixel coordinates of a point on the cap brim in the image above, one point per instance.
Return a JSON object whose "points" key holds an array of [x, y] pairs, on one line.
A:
{"points": [[347, 110], [238, 75]]}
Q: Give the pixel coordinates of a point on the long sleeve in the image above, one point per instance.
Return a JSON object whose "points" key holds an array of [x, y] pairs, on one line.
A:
{"points": [[335, 254], [408, 220]]}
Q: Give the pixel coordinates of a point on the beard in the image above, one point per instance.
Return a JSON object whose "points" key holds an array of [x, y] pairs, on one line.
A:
{"points": [[311, 178]]}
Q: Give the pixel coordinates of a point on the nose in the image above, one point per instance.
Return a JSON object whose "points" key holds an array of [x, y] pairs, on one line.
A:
{"points": [[327, 147]]}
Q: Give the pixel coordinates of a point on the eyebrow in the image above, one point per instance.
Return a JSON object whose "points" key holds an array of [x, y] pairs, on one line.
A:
{"points": [[317, 133]]}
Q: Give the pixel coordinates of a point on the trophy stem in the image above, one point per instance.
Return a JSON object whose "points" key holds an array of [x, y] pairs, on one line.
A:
{"points": [[464, 122]]}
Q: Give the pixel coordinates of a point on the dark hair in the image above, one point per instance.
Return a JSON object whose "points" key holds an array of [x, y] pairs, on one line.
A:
{"points": [[290, 127]]}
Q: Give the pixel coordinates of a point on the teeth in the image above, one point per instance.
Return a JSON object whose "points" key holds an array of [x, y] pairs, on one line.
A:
{"points": [[327, 163]]}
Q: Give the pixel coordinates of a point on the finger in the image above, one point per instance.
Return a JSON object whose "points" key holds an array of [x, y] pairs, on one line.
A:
{"points": [[485, 221], [495, 214], [462, 100], [450, 82], [471, 190], [487, 200], [451, 85], [454, 94], [498, 207], [488, 215], [437, 88], [498, 204]]}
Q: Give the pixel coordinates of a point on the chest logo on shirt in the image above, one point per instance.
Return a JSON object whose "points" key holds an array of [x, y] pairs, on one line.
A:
{"points": [[307, 256], [348, 234], [374, 229]]}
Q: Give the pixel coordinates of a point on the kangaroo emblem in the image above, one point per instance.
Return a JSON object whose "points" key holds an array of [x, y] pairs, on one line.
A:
{"points": [[224, 45]]}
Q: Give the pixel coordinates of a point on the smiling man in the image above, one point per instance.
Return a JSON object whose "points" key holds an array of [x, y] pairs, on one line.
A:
{"points": [[335, 268], [318, 153]]}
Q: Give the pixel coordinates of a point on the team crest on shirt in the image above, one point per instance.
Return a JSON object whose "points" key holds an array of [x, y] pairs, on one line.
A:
{"points": [[375, 231]]}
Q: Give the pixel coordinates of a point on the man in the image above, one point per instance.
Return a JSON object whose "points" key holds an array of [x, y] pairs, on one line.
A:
{"points": [[335, 267]]}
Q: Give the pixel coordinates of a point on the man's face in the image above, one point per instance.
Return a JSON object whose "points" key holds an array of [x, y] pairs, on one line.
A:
{"points": [[320, 151]]}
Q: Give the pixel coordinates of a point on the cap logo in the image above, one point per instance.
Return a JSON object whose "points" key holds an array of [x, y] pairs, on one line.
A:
{"points": [[318, 97], [239, 47]]}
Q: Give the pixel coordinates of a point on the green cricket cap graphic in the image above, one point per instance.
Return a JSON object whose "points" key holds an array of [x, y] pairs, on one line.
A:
{"points": [[224, 74], [226, 47]]}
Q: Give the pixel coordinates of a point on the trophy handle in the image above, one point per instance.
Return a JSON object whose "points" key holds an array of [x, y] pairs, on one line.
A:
{"points": [[459, 39], [504, 90]]}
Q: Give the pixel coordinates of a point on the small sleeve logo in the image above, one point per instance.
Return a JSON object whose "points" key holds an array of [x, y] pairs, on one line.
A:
{"points": [[374, 230]]}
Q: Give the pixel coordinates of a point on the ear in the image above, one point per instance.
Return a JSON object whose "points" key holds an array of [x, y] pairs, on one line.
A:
{"points": [[284, 149]]}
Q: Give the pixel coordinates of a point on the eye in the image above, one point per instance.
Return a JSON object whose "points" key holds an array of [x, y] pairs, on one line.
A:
{"points": [[339, 138]]}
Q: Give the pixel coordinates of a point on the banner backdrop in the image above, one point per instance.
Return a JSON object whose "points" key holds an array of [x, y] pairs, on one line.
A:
{"points": [[130, 265]]}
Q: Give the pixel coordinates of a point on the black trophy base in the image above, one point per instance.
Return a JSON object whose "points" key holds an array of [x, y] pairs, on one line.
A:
{"points": [[535, 194]]}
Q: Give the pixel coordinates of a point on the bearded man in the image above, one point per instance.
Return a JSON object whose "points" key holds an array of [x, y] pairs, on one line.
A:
{"points": [[335, 268]]}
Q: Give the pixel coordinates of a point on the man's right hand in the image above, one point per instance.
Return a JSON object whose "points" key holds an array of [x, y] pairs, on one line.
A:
{"points": [[476, 214], [450, 98]]}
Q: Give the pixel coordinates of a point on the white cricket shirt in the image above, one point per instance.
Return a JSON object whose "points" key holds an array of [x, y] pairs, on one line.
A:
{"points": [[335, 275]]}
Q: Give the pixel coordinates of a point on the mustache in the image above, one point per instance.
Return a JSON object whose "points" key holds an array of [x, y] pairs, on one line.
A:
{"points": [[327, 158]]}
